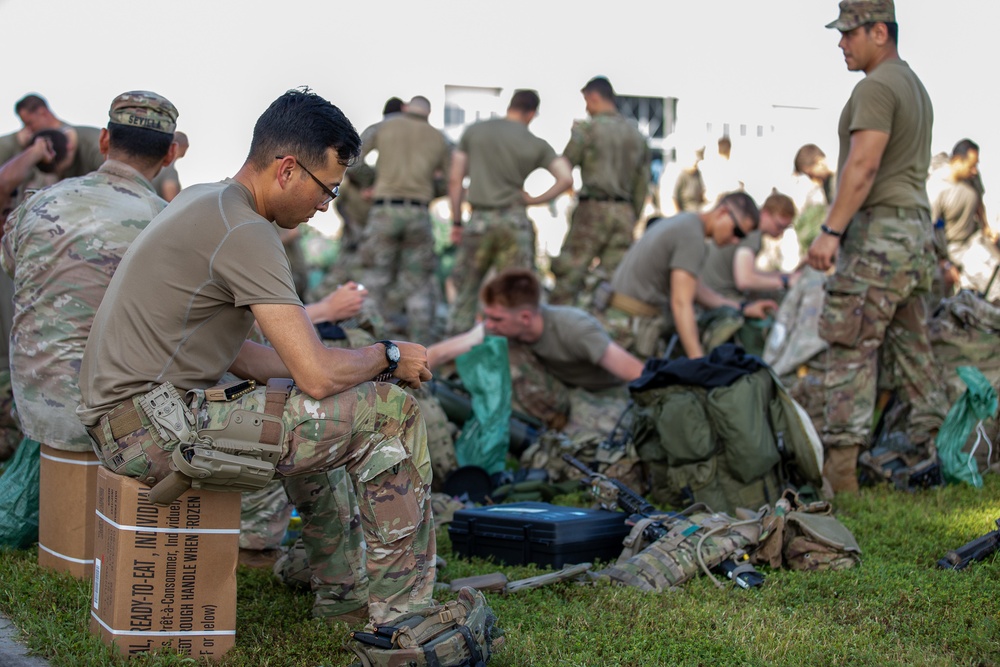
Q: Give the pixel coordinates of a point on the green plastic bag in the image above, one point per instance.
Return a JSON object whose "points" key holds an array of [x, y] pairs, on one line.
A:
{"points": [[485, 374], [19, 497], [977, 403]]}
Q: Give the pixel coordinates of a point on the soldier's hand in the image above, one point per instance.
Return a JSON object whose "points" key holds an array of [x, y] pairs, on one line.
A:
{"points": [[345, 301], [823, 252], [760, 309], [456, 234], [412, 368], [42, 150]]}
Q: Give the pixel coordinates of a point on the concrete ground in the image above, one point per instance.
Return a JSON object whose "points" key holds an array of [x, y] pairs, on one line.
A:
{"points": [[12, 652]]}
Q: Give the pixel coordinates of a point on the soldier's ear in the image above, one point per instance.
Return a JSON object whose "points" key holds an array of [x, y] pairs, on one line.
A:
{"points": [[171, 155], [104, 141]]}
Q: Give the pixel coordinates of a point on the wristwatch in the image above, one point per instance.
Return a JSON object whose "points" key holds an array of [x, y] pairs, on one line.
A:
{"points": [[391, 356]]}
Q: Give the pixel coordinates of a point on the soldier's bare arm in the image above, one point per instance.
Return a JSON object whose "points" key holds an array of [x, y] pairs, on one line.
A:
{"points": [[562, 171], [619, 362], [683, 287], [856, 180], [320, 371]]}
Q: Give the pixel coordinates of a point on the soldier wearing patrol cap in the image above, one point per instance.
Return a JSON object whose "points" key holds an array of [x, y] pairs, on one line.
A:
{"points": [[878, 236], [61, 247], [176, 317]]}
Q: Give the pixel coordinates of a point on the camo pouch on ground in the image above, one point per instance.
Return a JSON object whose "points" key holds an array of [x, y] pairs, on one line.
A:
{"points": [[460, 633], [806, 537], [687, 546]]}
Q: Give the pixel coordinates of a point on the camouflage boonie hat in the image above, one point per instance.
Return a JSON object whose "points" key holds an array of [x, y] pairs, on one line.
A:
{"points": [[141, 108], [854, 13]]}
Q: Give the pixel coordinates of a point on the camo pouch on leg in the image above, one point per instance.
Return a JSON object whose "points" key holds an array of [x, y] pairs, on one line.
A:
{"points": [[460, 633]]}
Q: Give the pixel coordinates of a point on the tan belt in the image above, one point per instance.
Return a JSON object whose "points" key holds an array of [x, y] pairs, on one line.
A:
{"points": [[124, 419], [634, 307]]}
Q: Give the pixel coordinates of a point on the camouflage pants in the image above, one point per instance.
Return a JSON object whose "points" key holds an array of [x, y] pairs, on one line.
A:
{"points": [[602, 230], [534, 391], [264, 516], [398, 260], [334, 541], [374, 430], [643, 336], [498, 239], [10, 428], [875, 301]]}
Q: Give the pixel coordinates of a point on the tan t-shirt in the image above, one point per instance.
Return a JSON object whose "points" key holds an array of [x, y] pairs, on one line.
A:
{"points": [[674, 243], [410, 154], [501, 154], [572, 343], [178, 307], [891, 99], [717, 272]]}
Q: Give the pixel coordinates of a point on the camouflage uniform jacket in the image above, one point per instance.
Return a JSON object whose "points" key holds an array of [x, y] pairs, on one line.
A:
{"points": [[613, 158], [61, 247]]}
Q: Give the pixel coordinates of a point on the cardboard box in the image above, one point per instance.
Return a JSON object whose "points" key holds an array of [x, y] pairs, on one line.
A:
{"points": [[164, 576], [66, 501]]}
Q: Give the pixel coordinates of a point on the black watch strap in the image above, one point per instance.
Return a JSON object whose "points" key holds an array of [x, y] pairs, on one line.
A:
{"points": [[389, 345]]}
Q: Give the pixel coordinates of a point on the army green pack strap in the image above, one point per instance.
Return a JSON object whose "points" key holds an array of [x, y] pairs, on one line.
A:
{"points": [[275, 398]]}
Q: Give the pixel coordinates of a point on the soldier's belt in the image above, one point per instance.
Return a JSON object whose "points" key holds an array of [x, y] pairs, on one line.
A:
{"points": [[240, 455], [901, 212], [634, 307], [622, 200], [399, 201]]}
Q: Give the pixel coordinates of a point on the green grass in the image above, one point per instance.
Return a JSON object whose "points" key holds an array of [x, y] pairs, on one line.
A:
{"points": [[897, 608]]}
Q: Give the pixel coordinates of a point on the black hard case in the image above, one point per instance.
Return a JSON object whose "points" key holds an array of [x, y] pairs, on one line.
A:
{"points": [[540, 533]]}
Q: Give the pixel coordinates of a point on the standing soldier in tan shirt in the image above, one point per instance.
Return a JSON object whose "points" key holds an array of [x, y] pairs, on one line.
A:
{"points": [[497, 155], [614, 165], [397, 253]]}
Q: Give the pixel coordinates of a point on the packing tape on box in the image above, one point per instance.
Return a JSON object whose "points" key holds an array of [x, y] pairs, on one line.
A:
{"points": [[55, 553], [155, 529], [75, 462], [163, 633]]}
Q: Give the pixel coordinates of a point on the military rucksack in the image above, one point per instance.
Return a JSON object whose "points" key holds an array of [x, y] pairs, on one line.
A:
{"points": [[460, 633], [727, 446]]}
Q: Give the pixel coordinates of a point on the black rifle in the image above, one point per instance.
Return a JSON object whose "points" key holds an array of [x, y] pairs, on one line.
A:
{"points": [[634, 505], [978, 549]]}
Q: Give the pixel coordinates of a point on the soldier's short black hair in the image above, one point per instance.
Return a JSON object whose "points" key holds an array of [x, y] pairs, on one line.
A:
{"points": [[963, 147], [146, 146], [743, 204], [303, 124], [524, 100], [601, 86], [891, 27], [30, 103], [60, 144], [392, 105]]}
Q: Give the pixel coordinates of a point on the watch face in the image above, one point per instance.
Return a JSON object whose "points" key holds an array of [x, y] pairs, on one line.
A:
{"points": [[392, 353]]}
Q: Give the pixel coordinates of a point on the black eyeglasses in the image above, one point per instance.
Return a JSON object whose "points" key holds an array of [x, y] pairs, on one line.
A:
{"points": [[737, 230], [330, 194]]}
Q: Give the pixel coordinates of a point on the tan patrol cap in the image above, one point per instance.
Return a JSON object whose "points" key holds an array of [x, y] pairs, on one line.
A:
{"points": [[141, 108], [854, 13]]}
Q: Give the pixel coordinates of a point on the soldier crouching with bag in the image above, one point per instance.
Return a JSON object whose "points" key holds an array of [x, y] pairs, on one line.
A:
{"points": [[175, 319]]}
